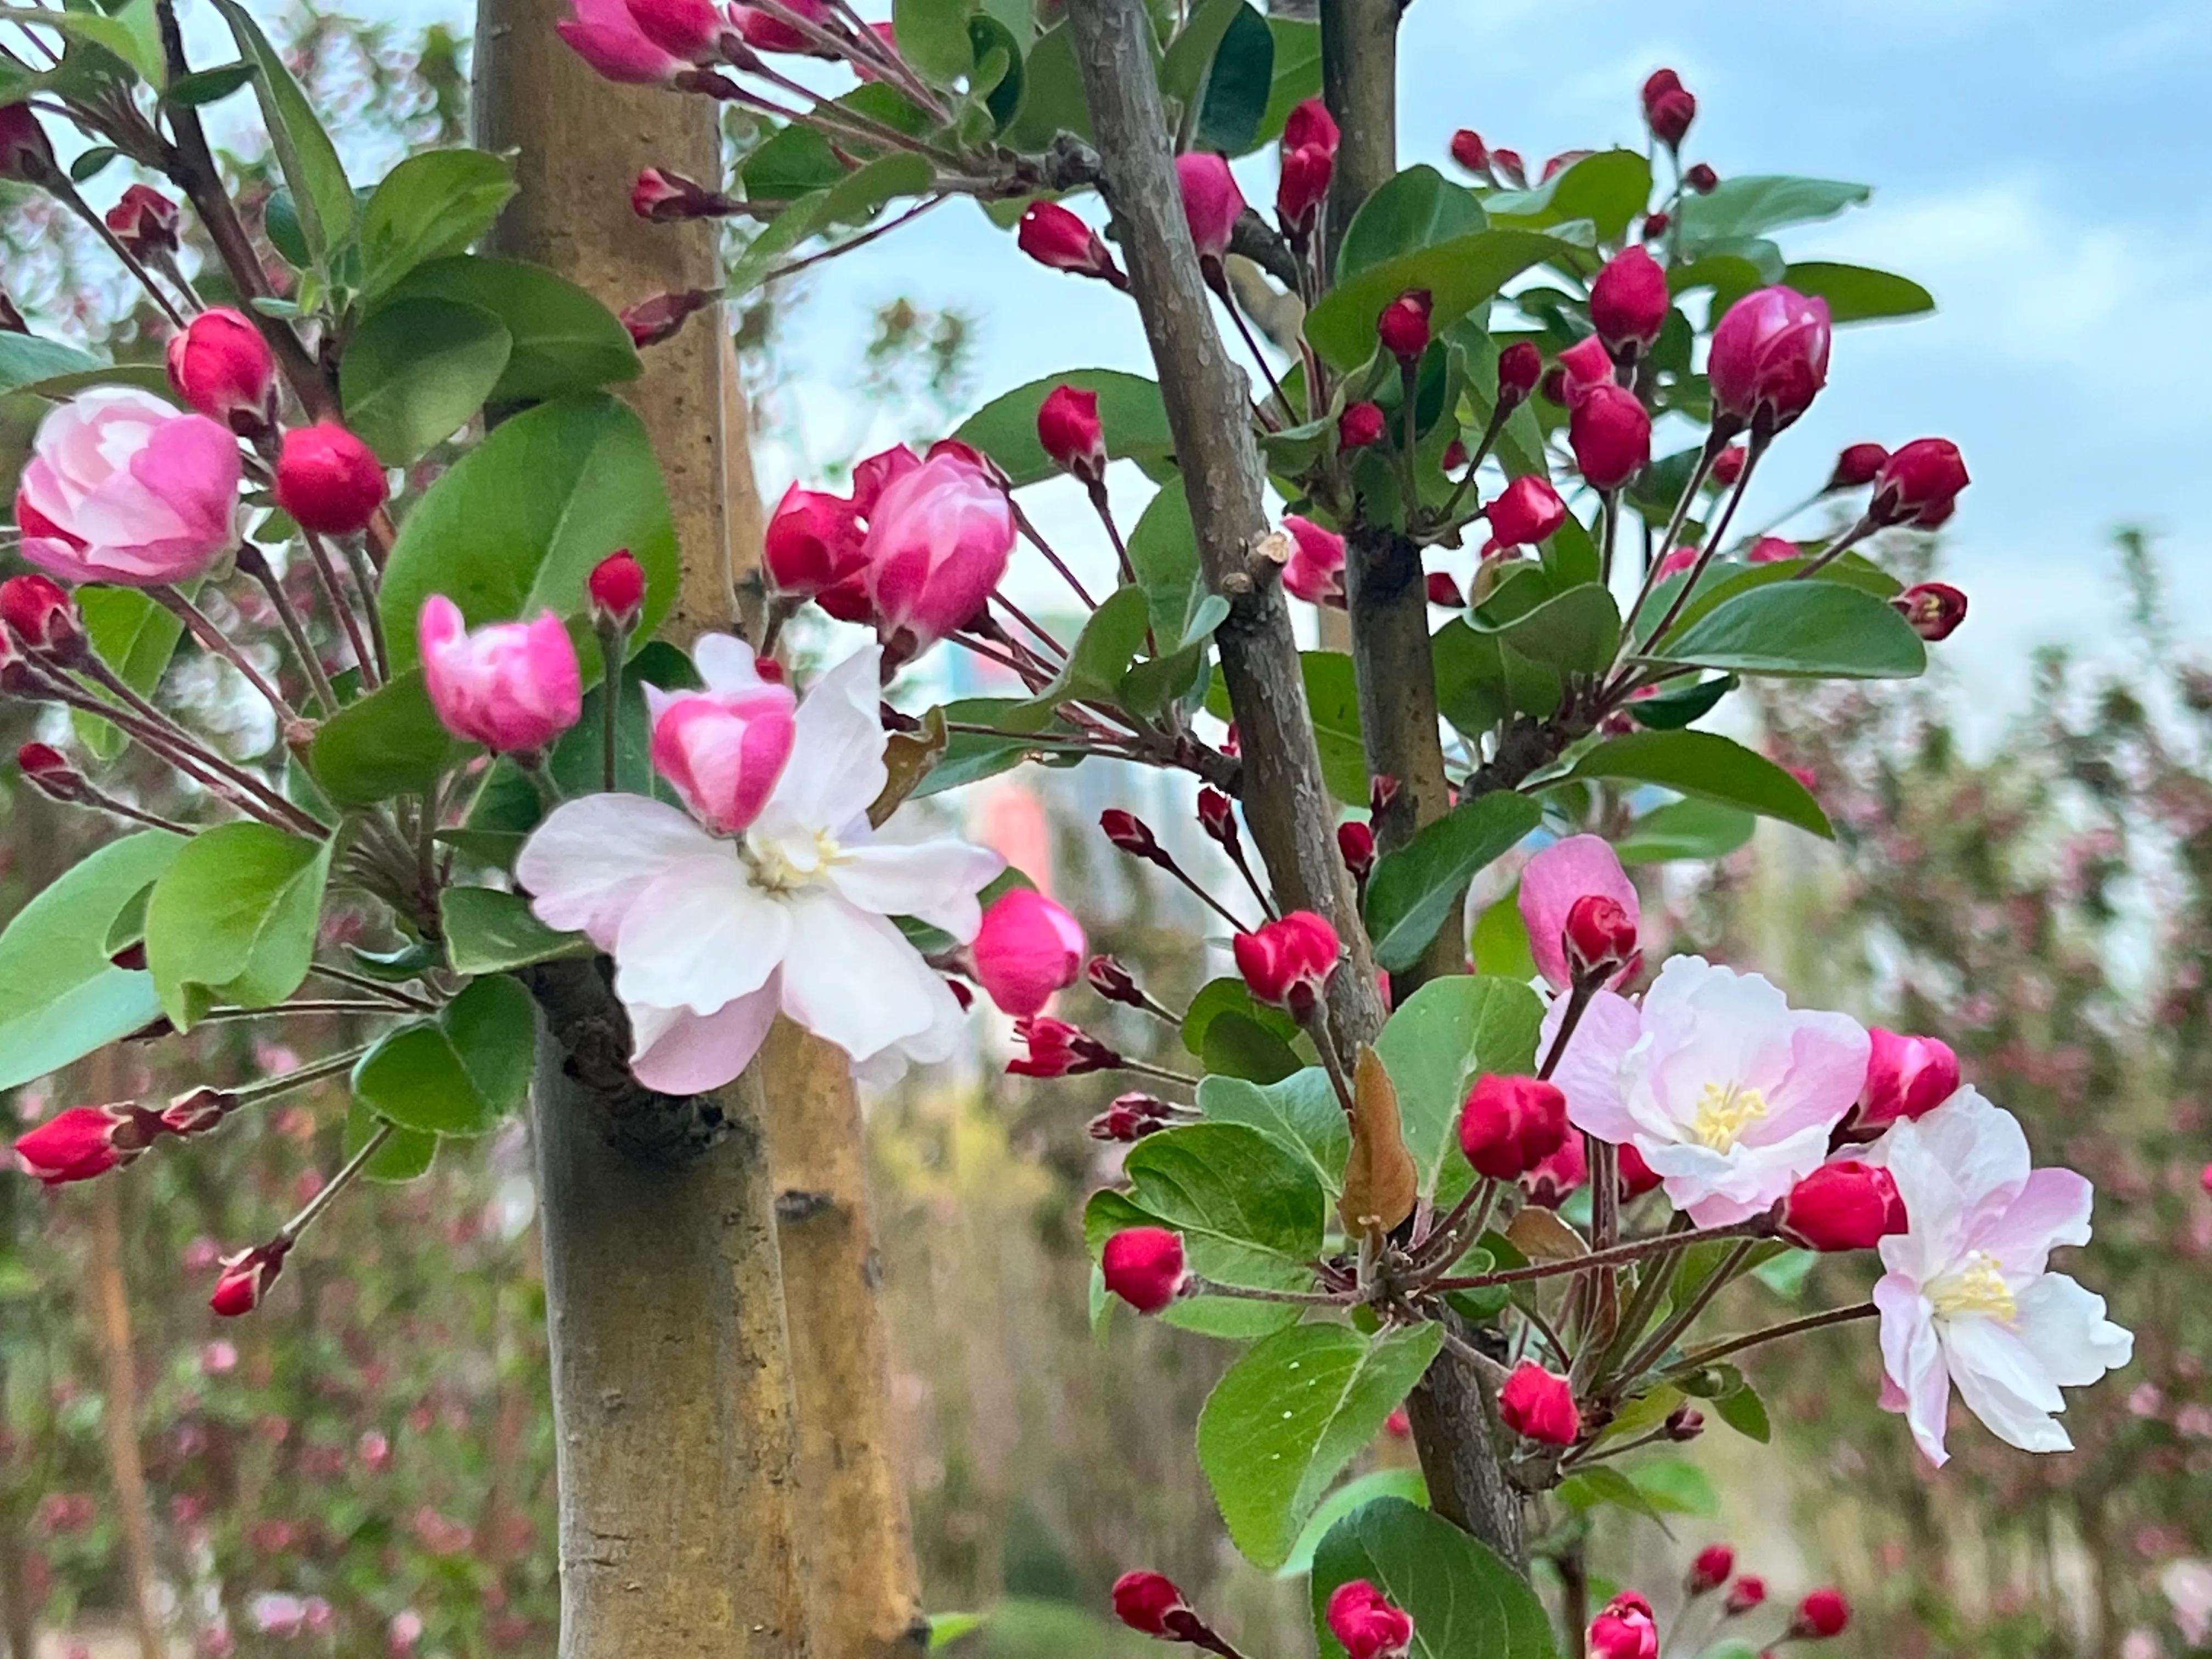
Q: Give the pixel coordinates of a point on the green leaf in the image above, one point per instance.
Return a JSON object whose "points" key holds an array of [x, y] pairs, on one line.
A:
{"points": [[1459, 275], [1134, 420], [60, 996], [25, 359], [1746, 1413], [932, 38], [1598, 1484], [1052, 94], [1102, 653], [1675, 1486], [1406, 1484], [233, 919], [1700, 829], [1465, 1602], [1800, 629], [1184, 66], [1499, 940], [1300, 1114], [1000, 76], [490, 932], [209, 86], [385, 744], [1238, 85], [1575, 632], [969, 756], [136, 638], [1333, 705], [1609, 188], [1670, 711], [793, 161], [1236, 1045], [459, 1073], [1415, 890], [1285, 1419], [322, 199], [563, 340], [946, 1628], [1856, 295], [90, 163], [1415, 209], [417, 372], [431, 205], [1753, 204], [1435, 1043], [1297, 73], [404, 1156], [1851, 570], [1163, 552], [1708, 766], [1229, 995], [519, 523], [127, 34], [861, 194]]}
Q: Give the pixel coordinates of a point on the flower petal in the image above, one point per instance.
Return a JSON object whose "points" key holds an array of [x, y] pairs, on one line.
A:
{"points": [[681, 1053], [1913, 1363], [590, 858], [836, 767], [2052, 1209], [1589, 1071], [934, 880], [1566, 870], [2065, 1327], [699, 935], [852, 979], [2003, 1384]]}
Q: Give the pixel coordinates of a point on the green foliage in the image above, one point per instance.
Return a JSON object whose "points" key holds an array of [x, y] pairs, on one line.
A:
{"points": [[1333, 705], [1239, 86], [1361, 1490], [1299, 1113], [1413, 210], [431, 205], [1799, 629], [489, 931], [1708, 766], [406, 1156], [1466, 1603], [1752, 204], [417, 372], [1700, 829], [1134, 420], [233, 919], [1610, 189], [562, 339], [136, 638], [1434, 1046], [1460, 274], [1415, 890], [322, 198], [385, 744], [457, 1072]]}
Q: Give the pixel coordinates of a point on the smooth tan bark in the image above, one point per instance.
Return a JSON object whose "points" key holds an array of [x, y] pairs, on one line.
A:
{"points": [[670, 1366]]}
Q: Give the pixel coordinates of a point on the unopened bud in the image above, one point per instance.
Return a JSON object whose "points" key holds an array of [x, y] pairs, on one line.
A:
{"points": [[1933, 609], [1360, 425], [1444, 590], [1685, 1422], [1217, 817], [1859, 464], [1112, 981], [145, 222], [1145, 1267], [1068, 428], [663, 197], [650, 321], [1702, 180], [247, 1277], [616, 588], [1520, 365], [1600, 937], [1133, 835], [1403, 326], [1355, 844], [48, 771], [1131, 1117], [1710, 1570], [1050, 234], [39, 611]]}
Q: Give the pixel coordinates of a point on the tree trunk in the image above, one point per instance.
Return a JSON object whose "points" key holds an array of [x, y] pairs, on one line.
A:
{"points": [[670, 1365]]}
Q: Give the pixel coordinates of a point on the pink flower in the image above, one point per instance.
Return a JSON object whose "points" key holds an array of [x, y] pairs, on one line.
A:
{"points": [[1907, 1077], [1027, 948], [691, 30], [1554, 880], [604, 35], [1934, 609], [1769, 358], [1628, 302], [1286, 963], [1528, 511], [1143, 1266], [1537, 1405], [513, 687], [1610, 432], [1211, 201], [1315, 570], [937, 543], [1843, 1205], [723, 748], [1586, 363], [221, 366], [1367, 1622], [1509, 1125], [122, 488], [1681, 559], [1052, 235], [1773, 549], [328, 480], [1624, 1630], [814, 543]]}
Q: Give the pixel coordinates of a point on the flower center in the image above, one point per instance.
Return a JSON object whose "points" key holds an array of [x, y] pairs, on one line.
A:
{"points": [[1977, 1287], [1724, 1112], [782, 864]]}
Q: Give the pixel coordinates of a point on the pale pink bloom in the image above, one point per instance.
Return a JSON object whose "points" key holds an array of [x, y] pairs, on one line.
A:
{"points": [[1027, 948], [123, 488], [606, 36], [713, 937], [1567, 869], [276, 1614], [723, 748], [2188, 1586], [1727, 1092], [939, 537], [510, 686], [1968, 1297]]}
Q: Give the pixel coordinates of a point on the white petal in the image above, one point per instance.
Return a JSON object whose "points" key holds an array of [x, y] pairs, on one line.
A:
{"points": [[1913, 1364], [837, 768], [681, 1053], [2003, 1384], [699, 936], [724, 663], [1984, 1149], [2065, 1327], [852, 979], [2052, 1208], [936, 1044], [590, 858], [934, 880], [1589, 1071], [1935, 1239]]}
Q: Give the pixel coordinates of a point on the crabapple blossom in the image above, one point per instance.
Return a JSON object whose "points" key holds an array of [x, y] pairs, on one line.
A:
{"points": [[1539, 1405], [1610, 432], [939, 537], [1509, 1125], [1554, 882], [1052, 235], [1628, 302], [1843, 1205], [221, 366], [1287, 962], [1527, 511], [1360, 425], [1368, 1624], [1149, 1603], [1710, 1570], [1211, 201], [1315, 570], [513, 687], [604, 35], [1769, 357], [328, 480], [1907, 1077], [1027, 948], [122, 488]]}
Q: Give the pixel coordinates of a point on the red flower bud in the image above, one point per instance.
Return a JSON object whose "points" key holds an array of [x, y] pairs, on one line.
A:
{"points": [[1059, 1050], [1584, 364], [1302, 185], [1111, 980], [46, 770], [1211, 201], [1907, 1077], [1550, 1182], [1360, 425], [1403, 326], [1026, 948], [1355, 844], [1628, 302], [814, 543], [1315, 570], [1921, 479], [1821, 1614], [1149, 1602], [1444, 590], [1624, 1630], [1600, 937], [1655, 225], [247, 1277], [1728, 465], [1710, 1570], [1528, 511], [1520, 365], [1286, 963], [1506, 164], [1216, 816], [616, 588], [1845, 1205], [1668, 108], [1509, 1125], [1133, 835], [1368, 1624], [1857, 465], [1636, 1177], [1772, 549], [1067, 426], [1745, 1594], [1131, 1117], [1610, 434], [1702, 180], [39, 611], [1769, 358], [221, 366], [1537, 1405], [144, 221], [1933, 609], [25, 152], [665, 197], [1053, 236], [1310, 126], [1143, 1266], [1469, 151], [327, 479], [86, 1141]]}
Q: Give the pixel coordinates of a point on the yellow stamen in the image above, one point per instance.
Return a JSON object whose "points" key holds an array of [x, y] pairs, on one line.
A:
{"points": [[773, 869], [1979, 1287], [1724, 1112]]}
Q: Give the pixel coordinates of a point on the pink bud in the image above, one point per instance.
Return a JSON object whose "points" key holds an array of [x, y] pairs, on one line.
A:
{"points": [[1068, 427], [1636, 1177], [1211, 201], [1309, 125], [1745, 1596], [1702, 180], [1845, 1205], [1027, 948], [1506, 164], [1469, 151], [1403, 326], [513, 687], [616, 588], [84, 1141], [1907, 1077], [144, 221], [1921, 479], [691, 30], [1655, 225], [765, 32], [1132, 835], [221, 367], [1769, 358], [606, 36], [1610, 433], [247, 1277], [1710, 1570], [122, 486], [1821, 1614], [1368, 1624], [1550, 1182], [1355, 845], [1053, 236], [1859, 464], [38, 612], [25, 153], [1360, 425], [1444, 590], [1130, 1118], [813, 543], [723, 748], [663, 197], [1537, 1405], [1315, 570], [1149, 1602], [1728, 465], [652, 320], [1558, 164], [328, 480], [48, 771], [1058, 1049], [1527, 512], [1773, 549], [1509, 1125], [1624, 1630], [1143, 1266], [1286, 963], [1554, 884], [1587, 363], [1599, 937], [1520, 365], [1933, 609], [1628, 302], [938, 539], [1668, 108], [1302, 185]]}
